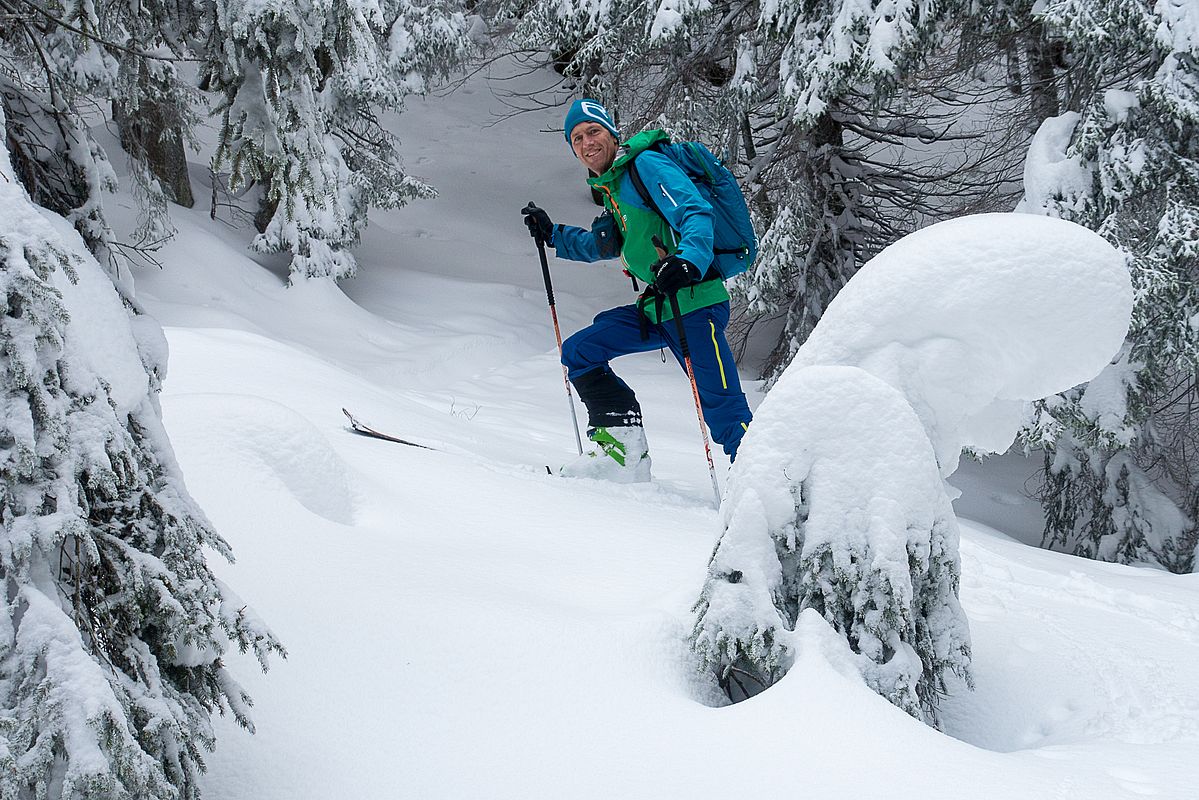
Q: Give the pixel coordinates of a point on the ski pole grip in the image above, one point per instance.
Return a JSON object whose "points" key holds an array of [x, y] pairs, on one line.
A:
{"points": [[545, 273], [545, 267]]}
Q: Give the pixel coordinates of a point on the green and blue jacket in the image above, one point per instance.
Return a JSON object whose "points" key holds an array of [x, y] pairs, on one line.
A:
{"points": [[680, 202]]}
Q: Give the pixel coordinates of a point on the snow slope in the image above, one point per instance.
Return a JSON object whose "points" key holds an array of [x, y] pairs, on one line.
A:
{"points": [[462, 625]]}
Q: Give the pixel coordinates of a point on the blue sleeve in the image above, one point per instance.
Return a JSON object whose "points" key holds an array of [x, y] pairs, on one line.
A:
{"points": [[683, 206], [575, 244]]}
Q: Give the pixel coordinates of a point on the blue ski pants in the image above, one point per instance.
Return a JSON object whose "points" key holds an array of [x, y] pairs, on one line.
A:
{"points": [[617, 332]]}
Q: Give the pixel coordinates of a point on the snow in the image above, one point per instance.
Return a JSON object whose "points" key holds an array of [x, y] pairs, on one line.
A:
{"points": [[1105, 400], [973, 317], [460, 624], [1118, 103], [100, 333], [1051, 175]]}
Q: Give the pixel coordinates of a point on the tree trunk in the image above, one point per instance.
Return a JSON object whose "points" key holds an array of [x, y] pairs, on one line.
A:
{"points": [[1042, 81], [831, 259], [266, 208], [152, 133]]}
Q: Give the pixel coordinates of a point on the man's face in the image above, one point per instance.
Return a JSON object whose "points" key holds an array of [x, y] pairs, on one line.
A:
{"points": [[594, 145]]}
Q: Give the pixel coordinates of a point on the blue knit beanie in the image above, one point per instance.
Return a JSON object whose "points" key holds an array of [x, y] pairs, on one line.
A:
{"points": [[589, 111]]}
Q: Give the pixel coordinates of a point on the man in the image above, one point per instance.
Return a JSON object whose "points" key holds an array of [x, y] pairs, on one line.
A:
{"points": [[670, 249]]}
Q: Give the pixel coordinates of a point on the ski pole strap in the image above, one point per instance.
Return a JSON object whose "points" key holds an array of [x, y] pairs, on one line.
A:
{"points": [[651, 295], [678, 321]]}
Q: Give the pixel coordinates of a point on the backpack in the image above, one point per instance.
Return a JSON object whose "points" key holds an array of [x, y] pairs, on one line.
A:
{"points": [[734, 243]]}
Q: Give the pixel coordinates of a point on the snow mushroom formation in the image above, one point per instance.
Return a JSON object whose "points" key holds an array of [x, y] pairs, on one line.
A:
{"points": [[837, 500], [974, 317]]}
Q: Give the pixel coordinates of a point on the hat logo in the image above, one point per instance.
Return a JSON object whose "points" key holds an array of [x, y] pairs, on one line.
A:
{"points": [[595, 111]]}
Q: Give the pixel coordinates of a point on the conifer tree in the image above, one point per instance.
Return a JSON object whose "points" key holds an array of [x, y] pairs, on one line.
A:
{"points": [[837, 509], [303, 85], [57, 64], [1121, 479], [49, 67], [114, 630]]}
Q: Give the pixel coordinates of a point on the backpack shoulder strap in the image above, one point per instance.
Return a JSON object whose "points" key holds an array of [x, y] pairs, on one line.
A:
{"points": [[643, 192]]}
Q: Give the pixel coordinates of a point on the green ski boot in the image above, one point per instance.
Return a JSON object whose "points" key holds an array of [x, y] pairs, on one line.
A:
{"points": [[621, 455]]}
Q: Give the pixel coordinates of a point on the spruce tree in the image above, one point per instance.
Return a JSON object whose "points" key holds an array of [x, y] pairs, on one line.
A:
{"points": [[49, 69], [302, 88], [112, 644], [837, 508], [1121, 481]]}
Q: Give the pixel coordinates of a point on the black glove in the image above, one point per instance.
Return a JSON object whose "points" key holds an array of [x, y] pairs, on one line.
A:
{"points": [[674, 273], [538, 223]]}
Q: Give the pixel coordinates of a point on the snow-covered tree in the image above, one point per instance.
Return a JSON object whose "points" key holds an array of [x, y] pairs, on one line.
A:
{"points": [[837, 506], [155, 106], [1122, 481], [114, 629], [837, 501], [61, 66], [908, 130], [49, 68], [303, 85]]}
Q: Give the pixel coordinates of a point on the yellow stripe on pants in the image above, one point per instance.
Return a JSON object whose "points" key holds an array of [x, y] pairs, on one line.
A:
{"points": [[723, 381]]}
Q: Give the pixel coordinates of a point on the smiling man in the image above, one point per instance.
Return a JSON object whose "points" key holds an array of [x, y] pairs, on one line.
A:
{"points": [[681, 221]]}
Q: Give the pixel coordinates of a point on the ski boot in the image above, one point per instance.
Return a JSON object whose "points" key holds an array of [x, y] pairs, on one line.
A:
{"points": [[621, 456]]}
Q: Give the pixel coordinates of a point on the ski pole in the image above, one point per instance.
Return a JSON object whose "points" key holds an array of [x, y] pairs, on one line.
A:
{"points": [[703, 426], [699, 410], [549, 295]]}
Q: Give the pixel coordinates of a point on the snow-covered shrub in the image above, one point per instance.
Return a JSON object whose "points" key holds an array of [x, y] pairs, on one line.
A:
{"points": [[111, 645], [836, 504], [837, 501]]}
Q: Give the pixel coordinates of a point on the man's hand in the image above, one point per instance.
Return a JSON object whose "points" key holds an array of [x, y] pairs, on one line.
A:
{"points": [[538, 223], [674, 273]]}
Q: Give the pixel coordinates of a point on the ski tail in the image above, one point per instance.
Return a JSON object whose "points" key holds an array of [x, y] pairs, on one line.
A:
{"points": [[366, 430], [362, 429]]}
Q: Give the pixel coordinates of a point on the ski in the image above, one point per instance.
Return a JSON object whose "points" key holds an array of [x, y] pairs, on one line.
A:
{"points": [[366, 430]]}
